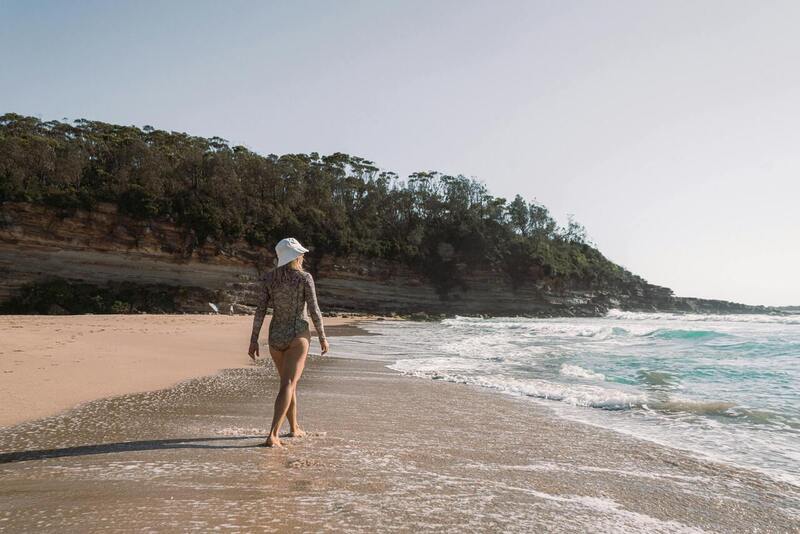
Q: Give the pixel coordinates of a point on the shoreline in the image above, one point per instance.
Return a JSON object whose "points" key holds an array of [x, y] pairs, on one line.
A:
{"points": [[377, 457], [49, 364], [383, 452], [772, 460]]}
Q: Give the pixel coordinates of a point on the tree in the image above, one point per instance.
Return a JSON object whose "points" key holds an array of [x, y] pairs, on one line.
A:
{"points": [[519, 216]]}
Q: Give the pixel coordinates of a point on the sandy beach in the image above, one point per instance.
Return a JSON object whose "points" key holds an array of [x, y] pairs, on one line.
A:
{"points": [[53, 363], [384, 453]]}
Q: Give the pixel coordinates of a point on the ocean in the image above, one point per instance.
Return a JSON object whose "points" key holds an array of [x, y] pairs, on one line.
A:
{"points": [[724, 387]]}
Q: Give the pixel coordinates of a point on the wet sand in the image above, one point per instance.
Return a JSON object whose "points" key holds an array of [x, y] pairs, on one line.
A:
{"points": [[53, 363], [384, 453]]}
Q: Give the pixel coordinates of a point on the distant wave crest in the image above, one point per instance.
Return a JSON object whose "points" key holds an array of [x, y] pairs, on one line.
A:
{"points": [[733, 318]]}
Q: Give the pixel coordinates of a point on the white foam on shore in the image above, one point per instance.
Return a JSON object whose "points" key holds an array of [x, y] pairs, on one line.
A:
{"points": [[574, 394], [607, 514], [237, 431]]}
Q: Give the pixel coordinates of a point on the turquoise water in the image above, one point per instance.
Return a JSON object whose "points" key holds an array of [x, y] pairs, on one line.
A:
{"points": [[726, 387]]}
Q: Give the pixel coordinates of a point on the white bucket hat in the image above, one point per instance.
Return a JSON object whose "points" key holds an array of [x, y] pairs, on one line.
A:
{"points": [[288, 249]]}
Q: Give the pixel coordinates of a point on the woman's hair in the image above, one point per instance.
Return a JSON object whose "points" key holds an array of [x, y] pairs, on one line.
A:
{"points": [[297, 263], [284, 273]]}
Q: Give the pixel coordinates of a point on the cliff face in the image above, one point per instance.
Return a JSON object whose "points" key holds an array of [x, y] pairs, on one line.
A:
{"points": [[99, 247], [39, 243]]}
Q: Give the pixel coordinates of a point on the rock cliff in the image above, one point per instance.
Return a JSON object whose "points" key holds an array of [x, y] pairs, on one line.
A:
{"points": [[102, 247]]}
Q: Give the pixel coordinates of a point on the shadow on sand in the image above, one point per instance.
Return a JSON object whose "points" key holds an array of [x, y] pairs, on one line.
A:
{"points": [[125, 446]]}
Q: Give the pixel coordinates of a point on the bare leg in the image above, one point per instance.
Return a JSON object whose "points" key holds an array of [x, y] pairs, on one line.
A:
{"points": [[294, 359], [294, 427], [291, 415]]}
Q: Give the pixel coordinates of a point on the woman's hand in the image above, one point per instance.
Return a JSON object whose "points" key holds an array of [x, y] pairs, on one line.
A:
{"points": [[253, 351], [323, 345]]}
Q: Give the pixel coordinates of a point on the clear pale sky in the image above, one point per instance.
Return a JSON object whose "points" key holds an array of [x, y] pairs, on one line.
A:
{"points": [[670, 129]]}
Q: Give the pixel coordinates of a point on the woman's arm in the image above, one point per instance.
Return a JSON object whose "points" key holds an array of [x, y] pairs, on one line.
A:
{"points": [[258, 319], [313, 311]]}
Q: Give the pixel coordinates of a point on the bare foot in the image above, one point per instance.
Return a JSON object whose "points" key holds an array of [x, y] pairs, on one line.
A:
{"points": [[297, 433], [272, 442]]}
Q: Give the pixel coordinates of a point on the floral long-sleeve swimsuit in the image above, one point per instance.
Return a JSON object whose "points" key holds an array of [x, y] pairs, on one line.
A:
{"points": [[289, 292]]}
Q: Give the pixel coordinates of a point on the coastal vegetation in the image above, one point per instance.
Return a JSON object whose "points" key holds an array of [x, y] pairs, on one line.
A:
{"points": [[439, 225], [58, 296]]}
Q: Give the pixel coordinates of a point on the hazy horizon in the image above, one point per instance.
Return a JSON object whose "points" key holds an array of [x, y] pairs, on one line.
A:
{"points": [[666, 128]]}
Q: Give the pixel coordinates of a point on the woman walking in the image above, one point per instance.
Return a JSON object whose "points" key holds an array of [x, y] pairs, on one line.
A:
{"points": [[290, 289]]}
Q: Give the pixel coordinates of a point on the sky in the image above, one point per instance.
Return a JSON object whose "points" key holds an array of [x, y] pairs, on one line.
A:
{"points": [[669, 129]]}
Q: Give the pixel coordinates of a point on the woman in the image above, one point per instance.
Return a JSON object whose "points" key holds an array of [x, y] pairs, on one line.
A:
{"points": [[289, 288]]}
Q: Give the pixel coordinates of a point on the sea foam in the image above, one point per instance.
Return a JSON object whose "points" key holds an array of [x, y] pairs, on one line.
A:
{"points": [[715, 384], [579, 372]]}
